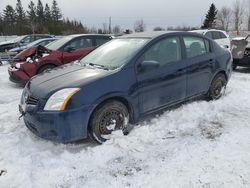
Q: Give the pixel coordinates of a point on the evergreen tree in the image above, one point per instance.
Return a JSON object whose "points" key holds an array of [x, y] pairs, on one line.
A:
{"points": [[20, 18], [40, 18], [32, 16], [9, 20], [56, 12], [47, 16], [210, 19]]}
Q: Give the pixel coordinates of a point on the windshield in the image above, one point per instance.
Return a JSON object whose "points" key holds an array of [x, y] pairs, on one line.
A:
{"points": [[115, 53], [58, 43], [18, 39]]}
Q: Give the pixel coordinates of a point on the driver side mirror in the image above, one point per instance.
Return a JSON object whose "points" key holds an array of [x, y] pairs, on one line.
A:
{"points": [[148, 65], [69, 49]]}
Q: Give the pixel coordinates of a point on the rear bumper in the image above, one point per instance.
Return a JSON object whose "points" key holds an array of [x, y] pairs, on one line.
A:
{"points": [[63, 127], [245, 62]]}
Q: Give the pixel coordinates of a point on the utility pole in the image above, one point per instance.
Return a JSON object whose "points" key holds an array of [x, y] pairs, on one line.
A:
{"points": [[110, 25]]}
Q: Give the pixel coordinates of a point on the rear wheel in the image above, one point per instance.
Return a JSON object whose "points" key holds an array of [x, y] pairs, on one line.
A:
{"points": [[45, 68], [218, 87], [111, 116]]}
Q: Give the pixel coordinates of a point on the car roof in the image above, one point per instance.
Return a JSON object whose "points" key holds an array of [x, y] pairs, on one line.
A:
{"points": [[80, 35], [155, 34], [152, 34], [206, 30]]}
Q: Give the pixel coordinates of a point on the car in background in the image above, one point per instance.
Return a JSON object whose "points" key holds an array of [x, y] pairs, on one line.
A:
{"points": [[39, 42], [121, 82], [38, 59], [21, 41], [221, 37], [241, 52]]}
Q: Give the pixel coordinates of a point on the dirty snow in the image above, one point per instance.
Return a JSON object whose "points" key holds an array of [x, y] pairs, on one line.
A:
{"points": [[200, 144]]}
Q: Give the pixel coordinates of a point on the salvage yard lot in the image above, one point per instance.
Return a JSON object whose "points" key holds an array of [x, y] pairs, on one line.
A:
{"points": [[200, 144]]}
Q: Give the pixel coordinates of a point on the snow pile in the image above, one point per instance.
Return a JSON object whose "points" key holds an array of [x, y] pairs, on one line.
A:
{"points": [[200, 144]]}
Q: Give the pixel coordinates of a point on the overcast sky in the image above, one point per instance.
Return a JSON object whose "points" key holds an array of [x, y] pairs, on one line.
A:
{"points": [[162, 13]]}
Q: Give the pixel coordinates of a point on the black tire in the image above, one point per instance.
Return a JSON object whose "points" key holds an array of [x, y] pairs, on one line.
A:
{"points": [[110, 116], [45, 68], [234, 67], [218, 87]]}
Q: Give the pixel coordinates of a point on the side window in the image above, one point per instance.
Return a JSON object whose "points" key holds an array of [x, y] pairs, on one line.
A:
{"points": [[222, 35], [100, 41], [165, 51], [216, 35], [79, 43], [26, 40], [196, 46], [209, 35]]}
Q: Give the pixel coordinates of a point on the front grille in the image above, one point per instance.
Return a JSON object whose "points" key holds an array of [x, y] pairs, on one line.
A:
{"points": [[32, 100]]}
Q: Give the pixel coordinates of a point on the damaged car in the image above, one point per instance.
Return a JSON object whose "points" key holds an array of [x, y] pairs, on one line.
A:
{"points": [[241, 52], [38, 59]]}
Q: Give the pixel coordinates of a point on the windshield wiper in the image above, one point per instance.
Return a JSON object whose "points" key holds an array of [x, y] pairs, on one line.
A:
{"points": [[98, 66]]}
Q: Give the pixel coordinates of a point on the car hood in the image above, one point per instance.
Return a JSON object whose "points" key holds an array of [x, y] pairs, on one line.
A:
{"points": [[17, 49], [29, 52], [7, 42], [71, 75]]}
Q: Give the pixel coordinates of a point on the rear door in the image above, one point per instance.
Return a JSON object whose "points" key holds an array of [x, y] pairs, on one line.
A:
{"points": [[79, 47], [200, 60], [167, 83]]}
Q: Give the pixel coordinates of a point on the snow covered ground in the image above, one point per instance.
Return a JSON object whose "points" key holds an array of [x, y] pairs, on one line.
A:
{"points": [[200, 144]]}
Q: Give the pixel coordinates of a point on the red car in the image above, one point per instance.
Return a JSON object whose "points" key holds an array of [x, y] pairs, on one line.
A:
{"points": [[38, 59]]}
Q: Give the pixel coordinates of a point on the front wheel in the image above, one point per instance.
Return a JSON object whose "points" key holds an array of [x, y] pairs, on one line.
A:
{"points": [[218, 87], [111, 116]]}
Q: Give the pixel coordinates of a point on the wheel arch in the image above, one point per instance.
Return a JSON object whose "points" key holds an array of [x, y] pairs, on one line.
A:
{"points": [[45, 64], [121, 99]]}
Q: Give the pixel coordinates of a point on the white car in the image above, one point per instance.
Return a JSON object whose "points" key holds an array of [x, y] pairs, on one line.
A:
{"points": [[221, 37]]}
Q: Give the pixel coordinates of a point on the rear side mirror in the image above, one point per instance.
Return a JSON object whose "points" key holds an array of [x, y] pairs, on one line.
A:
{"points": [[148, 65]]}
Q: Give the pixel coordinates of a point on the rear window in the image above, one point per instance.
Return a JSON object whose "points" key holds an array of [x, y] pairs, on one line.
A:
{"points": [[100, 41], [196, 46], [218, 35]]}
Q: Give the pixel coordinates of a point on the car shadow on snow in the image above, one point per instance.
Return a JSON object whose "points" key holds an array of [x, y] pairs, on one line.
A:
{"points": [[243, 70]]}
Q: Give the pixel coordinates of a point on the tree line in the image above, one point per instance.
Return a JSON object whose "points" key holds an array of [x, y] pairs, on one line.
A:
{"points": [[38, 18]]}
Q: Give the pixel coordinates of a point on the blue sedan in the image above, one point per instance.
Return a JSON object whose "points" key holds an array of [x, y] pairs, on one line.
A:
{"points": [[121, 82]]}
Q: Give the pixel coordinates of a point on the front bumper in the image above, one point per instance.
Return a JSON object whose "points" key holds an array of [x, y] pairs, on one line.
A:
{"points": [[63, 127], [18, 76]]}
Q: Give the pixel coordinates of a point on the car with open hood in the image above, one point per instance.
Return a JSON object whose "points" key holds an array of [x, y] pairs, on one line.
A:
{"points": [[38, 59], [121, 82]]}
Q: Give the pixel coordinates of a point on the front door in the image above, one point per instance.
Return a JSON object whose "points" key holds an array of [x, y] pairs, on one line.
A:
{"points": [[165, 84]]}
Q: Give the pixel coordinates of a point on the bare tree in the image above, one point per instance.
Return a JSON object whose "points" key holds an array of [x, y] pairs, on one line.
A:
{"points": [[248, 15], [223, 17], [139, 26], [105, 29], [116, 29], [238, 14], [158, 28]]}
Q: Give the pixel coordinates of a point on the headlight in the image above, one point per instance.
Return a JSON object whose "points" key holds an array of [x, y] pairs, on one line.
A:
{"points": [[18, 65], [59, 100]]}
